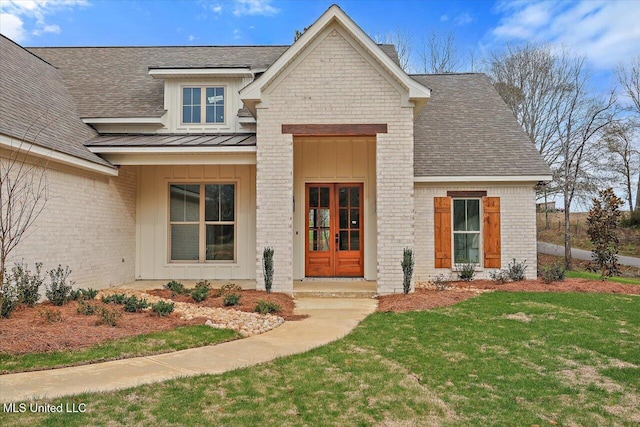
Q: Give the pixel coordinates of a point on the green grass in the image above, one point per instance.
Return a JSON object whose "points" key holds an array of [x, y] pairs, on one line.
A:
{"points": [[140, 345], [498, 359], [596, 276]]}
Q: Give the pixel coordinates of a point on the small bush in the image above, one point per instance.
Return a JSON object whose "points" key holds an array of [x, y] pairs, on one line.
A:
{"points": [[552, 273], [115, 299], [227, 289], [59, 291], [8, 299], [440, 282], [163, 308], [27, 284], [500, 276], [50, 315], [133, 304], [231, 300], [267, 268], [466, 271], [108, 316], [407, 269], [86, 308], [176, 288], [200, 294], [266, 307], [516, 271], [83, 294]]}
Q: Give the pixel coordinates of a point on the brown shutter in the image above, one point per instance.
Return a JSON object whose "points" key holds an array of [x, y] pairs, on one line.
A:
{"points": [[442, 208], [491, 235]]}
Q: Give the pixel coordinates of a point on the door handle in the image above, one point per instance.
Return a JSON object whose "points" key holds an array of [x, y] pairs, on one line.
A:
{"points": [[338, 240]]}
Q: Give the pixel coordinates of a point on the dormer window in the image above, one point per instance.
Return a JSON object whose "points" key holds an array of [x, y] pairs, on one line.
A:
{"points": [[200, 103]]}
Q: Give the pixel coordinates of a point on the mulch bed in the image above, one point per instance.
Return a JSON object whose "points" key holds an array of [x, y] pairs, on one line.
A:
{"points": [[28, 331], [426, 299]]}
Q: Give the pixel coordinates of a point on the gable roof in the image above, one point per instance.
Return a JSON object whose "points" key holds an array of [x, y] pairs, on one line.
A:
{"points": [[416, 92], [466, 129], [35, 106], [115, 81]]}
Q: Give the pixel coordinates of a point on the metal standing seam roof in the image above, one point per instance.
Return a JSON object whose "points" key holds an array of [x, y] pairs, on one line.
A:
{"points": [[174, 140], [466, 129]]}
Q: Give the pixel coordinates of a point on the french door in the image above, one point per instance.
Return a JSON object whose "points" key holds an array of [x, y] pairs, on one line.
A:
{"points": [[335, 230]]}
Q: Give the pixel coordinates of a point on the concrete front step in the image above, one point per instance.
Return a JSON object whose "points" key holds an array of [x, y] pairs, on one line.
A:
{"points": [[333, 294], [334, 289]]}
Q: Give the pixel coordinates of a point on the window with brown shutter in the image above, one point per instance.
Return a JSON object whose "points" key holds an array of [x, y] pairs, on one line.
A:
{"points": [[491, 232], [442, 221]]}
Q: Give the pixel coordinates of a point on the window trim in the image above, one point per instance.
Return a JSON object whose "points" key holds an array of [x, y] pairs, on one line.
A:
{"points": [[480, 232], [202, 223], [203, 105]]}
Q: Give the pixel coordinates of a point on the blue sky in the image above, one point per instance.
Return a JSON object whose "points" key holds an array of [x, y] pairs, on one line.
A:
{"points": [[606, 32]]}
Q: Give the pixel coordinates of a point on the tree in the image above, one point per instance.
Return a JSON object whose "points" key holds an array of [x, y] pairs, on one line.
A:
{"points": [[23, 196], [603, 222], [439, 53], [299, 33], [401, 39], [623, 157]]}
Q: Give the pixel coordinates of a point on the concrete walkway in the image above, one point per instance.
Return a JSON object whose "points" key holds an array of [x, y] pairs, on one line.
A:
{"points": [[557, 250], [329, 319]]}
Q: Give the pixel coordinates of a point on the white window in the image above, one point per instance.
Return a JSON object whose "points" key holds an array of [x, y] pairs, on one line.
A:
{"points": [[202, 222], [466, 231], [203, 105]]}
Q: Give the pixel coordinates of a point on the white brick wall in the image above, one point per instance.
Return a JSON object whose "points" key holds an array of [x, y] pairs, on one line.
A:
{"points": [[333, 82], [88, 224], [517, 225]]}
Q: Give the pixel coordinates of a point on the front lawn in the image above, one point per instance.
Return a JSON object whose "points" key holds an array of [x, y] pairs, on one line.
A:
{"points": [[498, 359], [596, 276]]}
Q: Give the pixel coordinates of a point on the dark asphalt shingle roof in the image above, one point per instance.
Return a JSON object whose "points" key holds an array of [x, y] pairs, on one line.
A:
{"points": [[115, 81], [466, 129], [173, 140], [36, 107]]}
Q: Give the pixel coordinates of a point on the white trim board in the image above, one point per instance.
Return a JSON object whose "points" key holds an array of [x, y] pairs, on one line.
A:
{"points": [[173, 150], [489, 178]]}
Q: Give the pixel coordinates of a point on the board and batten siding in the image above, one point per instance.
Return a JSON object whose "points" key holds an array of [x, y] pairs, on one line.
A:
{"points": [[334, 160], [513, 203], [152, 231]]}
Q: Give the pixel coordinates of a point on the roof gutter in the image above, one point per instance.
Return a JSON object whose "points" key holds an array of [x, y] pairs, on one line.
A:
{"points": [[490, 178]]}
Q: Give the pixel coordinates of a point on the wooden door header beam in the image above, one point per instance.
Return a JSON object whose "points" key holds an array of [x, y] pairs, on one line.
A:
{"points": [[335, 129]]}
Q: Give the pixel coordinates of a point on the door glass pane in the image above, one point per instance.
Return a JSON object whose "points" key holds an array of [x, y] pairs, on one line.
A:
{"points": [[184, 205], [324, 197], [344, 218], [313, 196], [473, 215], [220, 244], [184, 242], [325, 218], [343, 197], [355, 218], [355, 240], [355, 197], [319, 240], [313, 214], [344, 240], [459, 215]]}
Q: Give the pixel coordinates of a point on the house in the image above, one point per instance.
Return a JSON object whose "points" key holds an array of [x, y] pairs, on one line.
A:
{"points": [[186, 162]]}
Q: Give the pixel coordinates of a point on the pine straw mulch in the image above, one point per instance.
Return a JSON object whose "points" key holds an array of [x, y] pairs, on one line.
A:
{"points": [[27, 330], [429, 298]]}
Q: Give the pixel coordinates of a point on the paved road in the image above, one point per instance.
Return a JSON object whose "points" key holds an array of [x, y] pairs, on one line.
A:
{"points": [[557, 250]]}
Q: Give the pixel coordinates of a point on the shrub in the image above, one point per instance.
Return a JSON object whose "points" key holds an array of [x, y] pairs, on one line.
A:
{"points": [[266, 307], [440, 282], [231, 300], [267, 266], [82, 294], [200, 293], [8, 299], [86, 308], [227, 289], [552, 273], [50, 315], [176, 288], [108, 316], [631, 221], [59, 291], [603, 222], [499, 276], [407, 269], [516, 271], [163, 308], [27, 284], [133, 304], [115, 298], [466, 271]]}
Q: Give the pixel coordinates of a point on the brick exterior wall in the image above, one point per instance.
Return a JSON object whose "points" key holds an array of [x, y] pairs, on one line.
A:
{"points": [[88, 224], [517, 226], [333, 82]]}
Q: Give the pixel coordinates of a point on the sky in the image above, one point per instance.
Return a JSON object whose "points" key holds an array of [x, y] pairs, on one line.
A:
{"points": [[606, 32]]}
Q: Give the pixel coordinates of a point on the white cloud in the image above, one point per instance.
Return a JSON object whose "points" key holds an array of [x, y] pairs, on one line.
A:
{"points": [[444, 18], [463, 19], [236, 34], [606, 32], [192, 37], [216, 8], [21, 17], [11, 26], [254, 7]]}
